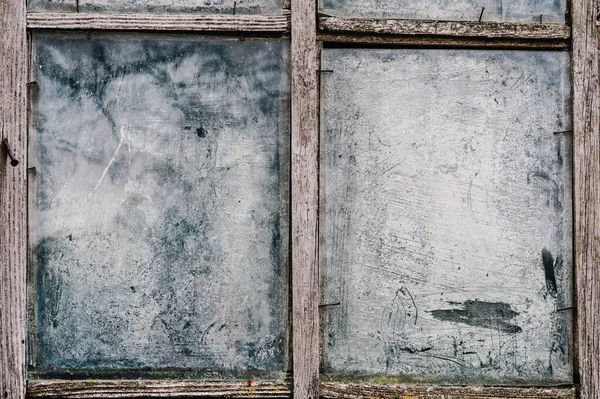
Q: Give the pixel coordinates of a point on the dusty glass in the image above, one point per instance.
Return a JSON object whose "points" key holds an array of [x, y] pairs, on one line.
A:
{"points": [[446, 221], [159, 6], [534, 11], [158, 174]]}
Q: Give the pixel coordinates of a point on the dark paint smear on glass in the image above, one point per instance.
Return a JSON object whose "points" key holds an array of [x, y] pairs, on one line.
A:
{"points": [[549, 264], [492, 315]]}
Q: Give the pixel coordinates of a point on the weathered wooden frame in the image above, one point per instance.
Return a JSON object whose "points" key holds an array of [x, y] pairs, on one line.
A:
{"points": [[307, 30]]}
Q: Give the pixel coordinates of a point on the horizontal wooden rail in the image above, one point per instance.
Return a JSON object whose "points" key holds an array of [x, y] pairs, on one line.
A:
{"points": [[442, 41], [156, 389], [161, 22], [335, 390], [462, 29]]}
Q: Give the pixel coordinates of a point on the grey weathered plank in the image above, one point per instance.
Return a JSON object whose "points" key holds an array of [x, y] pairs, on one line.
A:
{"points": [[334, 390], [506, 30], [305, 336], [13, 198], [586, 152], [160, 22], [154, 388]]}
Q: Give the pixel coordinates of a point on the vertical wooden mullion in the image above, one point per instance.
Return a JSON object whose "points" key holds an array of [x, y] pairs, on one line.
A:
{"points": [[13, 197], [586, 153], [305, 141]]}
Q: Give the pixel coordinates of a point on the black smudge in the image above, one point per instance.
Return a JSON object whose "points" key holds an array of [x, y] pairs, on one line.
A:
{"points": [[493, 315], [548, 263]]}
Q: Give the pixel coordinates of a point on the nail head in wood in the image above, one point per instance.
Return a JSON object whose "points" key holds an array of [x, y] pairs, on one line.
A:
{"points": [[13, 160]]}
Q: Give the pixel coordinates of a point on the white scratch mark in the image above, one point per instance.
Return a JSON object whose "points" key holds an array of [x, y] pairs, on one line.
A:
{"points": [[123, 130]]}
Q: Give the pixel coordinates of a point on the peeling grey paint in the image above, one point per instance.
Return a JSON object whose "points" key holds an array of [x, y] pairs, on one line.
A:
{"points": [[159, 203], [446, 218], [159, 6], [535, 11]]}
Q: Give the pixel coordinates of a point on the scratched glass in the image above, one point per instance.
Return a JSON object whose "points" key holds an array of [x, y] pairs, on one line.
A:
{"points": [[446, 218], [534, 11], [158, 206], [273, 7]]}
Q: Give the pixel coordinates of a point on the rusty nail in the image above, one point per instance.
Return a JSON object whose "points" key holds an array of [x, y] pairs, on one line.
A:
{"points": [[329, 304], [13, 160], [563, 309]]}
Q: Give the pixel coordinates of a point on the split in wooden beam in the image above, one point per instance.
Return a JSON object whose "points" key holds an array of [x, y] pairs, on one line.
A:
{"points": [[456, 29]]}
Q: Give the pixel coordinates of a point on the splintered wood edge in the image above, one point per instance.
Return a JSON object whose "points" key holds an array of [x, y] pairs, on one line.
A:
{"points": [[81, 389], [407, 27], [335, 390], [161, 22]]}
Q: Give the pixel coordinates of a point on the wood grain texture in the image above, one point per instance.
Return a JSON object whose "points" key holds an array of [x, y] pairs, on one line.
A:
{"points": [[334, 390], [439, 41], [507, 30], [154, 388], [305, 141], [161, 22], [586, 152], [13, 198]]}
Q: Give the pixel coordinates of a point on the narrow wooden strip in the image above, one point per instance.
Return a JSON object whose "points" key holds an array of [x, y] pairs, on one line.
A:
{"points": [[507, 30], [155, 388], [441, 41], [305, 142], [586, 153], [334, 390], [13, 198], [160, 22]]}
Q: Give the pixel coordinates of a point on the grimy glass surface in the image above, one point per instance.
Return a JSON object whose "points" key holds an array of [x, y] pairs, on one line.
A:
{"points": [[547, 11], [446, 244], [159, 6], [158, 204]]}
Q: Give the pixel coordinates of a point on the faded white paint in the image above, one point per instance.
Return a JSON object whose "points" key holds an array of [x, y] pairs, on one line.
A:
{"points": [[444, 194]]}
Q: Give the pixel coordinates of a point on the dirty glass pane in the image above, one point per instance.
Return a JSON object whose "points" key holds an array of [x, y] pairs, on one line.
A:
{"points": [[158, 205], [551, 11], [446, 216], [159, 6]]}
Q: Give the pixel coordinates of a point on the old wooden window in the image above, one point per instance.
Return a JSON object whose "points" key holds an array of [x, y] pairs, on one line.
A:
{"points": [[347, 60]]}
